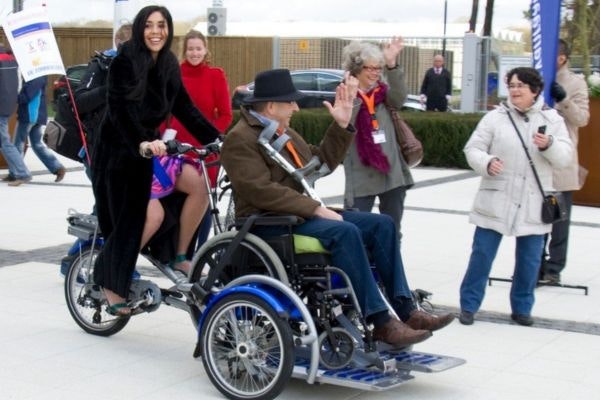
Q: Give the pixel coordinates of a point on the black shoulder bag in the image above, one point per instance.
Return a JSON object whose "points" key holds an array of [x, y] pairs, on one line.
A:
{"points": [[553, 206]]}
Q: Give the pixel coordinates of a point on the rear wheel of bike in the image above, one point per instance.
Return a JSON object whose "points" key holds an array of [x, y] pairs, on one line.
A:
{"points": [[85, 299], [247, 349]]}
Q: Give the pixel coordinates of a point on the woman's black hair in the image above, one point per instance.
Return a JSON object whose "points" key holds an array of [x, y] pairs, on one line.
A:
{"points": [[527, 75], [135, 48], [139, 25]]}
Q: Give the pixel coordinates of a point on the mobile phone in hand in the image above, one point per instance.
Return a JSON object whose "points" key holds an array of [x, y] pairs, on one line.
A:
{"points": [[542, 129]]}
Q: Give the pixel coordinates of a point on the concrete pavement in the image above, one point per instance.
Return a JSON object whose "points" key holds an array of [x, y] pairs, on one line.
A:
{"points": [[45, 355]]}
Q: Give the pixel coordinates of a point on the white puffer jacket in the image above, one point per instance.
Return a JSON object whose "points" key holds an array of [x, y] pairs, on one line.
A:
{"points": [[510, 203]]}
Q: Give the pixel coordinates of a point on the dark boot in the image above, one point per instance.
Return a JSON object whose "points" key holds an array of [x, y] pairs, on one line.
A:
{"points": [[420, 319], [522, 319], [397, 333]]}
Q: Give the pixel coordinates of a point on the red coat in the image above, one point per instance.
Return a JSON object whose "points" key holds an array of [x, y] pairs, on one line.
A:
{"points": [[208, 89]]}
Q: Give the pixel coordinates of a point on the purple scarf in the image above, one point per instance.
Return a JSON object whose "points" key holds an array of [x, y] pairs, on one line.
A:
{"points": [[369, 152]]}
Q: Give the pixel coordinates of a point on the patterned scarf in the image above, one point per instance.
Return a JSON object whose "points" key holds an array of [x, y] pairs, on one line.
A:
{"points": [[369, 152]]}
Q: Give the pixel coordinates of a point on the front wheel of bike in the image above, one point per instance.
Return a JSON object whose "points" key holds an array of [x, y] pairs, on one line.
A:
{"points": [[85, 300]]}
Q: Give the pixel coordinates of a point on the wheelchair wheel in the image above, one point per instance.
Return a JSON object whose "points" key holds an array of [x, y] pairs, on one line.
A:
{"points": [[253, 256], [339, 354], [85, 299], [247, 349]]}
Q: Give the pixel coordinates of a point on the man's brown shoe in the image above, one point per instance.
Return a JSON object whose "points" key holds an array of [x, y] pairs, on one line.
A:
{"points": [[420, 319], [397, 333], [19, 181], [60, 174]]}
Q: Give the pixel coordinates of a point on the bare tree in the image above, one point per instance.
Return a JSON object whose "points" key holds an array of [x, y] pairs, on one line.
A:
{"points": [[583, 22], [489, 16], [594, 42], [473, 19], [580, 26]]}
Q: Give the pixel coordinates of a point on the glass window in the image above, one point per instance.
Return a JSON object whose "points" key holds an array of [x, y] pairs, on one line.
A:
{"points": [[328, 82], [306, 81]]}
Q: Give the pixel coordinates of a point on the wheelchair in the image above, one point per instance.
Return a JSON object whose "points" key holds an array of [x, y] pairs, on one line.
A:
{"points": [[275, 308]]}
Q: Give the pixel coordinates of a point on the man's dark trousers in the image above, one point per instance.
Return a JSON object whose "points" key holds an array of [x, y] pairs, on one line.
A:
{"points": [[556, 259]]}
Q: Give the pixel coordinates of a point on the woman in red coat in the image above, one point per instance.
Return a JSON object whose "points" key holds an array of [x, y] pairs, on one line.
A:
{"points": [[206, 85], [208, 89]]}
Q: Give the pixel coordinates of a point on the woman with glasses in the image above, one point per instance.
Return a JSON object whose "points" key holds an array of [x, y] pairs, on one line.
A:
{"points": [[509, 200], [374, 166]]}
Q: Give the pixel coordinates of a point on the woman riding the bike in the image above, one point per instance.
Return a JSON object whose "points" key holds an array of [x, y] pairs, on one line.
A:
{"points": [[144, 86]]}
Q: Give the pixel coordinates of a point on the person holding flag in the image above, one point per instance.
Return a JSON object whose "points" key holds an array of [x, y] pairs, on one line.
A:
{"points": [[9, 84], [570, 94]]}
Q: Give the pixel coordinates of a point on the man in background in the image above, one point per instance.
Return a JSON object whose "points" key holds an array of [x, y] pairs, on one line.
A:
{"points": [[570, 93], [436, 88]]}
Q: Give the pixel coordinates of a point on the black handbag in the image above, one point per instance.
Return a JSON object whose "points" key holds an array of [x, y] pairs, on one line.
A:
{"points": [[553, 204], [62, 140], [554, 208]]}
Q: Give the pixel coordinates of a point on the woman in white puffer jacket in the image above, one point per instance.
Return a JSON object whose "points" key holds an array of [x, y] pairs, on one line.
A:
{"points": [[509, 201]]}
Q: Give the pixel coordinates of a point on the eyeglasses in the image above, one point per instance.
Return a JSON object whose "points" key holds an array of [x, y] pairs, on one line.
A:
{"points": [[372, 69], [517, 85]]}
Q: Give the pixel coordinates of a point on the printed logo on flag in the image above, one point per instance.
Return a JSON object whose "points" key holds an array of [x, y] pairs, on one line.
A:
{"points": [[33, 43]]}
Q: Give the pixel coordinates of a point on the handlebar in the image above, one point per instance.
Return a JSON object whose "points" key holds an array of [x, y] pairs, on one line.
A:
{"points": [[175, 147]]}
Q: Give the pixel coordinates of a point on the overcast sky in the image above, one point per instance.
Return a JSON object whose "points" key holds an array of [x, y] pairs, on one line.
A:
{"points": [[506, 12]]}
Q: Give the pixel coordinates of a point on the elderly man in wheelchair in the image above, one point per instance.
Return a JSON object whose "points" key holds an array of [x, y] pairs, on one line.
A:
{"points": [[262, 156]]}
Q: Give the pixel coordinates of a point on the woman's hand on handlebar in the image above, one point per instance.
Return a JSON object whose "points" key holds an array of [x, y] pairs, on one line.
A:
{"points": [[154, 148]]}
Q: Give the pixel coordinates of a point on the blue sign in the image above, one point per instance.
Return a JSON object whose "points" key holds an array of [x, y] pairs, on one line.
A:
{"points": [[545, 24]]}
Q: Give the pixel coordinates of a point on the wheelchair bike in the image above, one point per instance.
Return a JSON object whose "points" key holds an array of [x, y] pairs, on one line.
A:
{"points": [[266, 310]]}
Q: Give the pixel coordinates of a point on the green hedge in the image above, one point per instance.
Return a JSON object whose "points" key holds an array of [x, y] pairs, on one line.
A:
{"points": [[443, 134]]}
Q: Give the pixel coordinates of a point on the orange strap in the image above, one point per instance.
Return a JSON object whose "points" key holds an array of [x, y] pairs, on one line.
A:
{"points": [[290, 146], [370, 103]]}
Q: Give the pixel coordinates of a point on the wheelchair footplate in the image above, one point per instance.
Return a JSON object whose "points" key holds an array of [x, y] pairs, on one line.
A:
{"points": [[363, 378], [423, 362], [397, 366]]}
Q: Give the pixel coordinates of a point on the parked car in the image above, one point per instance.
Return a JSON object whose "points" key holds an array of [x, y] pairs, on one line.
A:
{"points": [[413, 103], [74, 75], [318, 84]]}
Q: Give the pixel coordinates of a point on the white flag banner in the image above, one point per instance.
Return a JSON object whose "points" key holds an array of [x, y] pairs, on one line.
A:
{"points": [[33, 43]]}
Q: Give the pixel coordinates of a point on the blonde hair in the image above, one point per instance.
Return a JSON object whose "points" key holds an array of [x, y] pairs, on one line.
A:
{"points": [[193, 34], [123, 34]]}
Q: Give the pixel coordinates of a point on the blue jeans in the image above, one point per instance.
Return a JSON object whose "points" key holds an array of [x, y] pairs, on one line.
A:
{"points": [[348, 241], [35, 141], [16, 165], [527, 263]]}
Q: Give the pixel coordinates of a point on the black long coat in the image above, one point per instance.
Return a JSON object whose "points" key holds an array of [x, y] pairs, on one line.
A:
{"points": [[121, 177]]}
